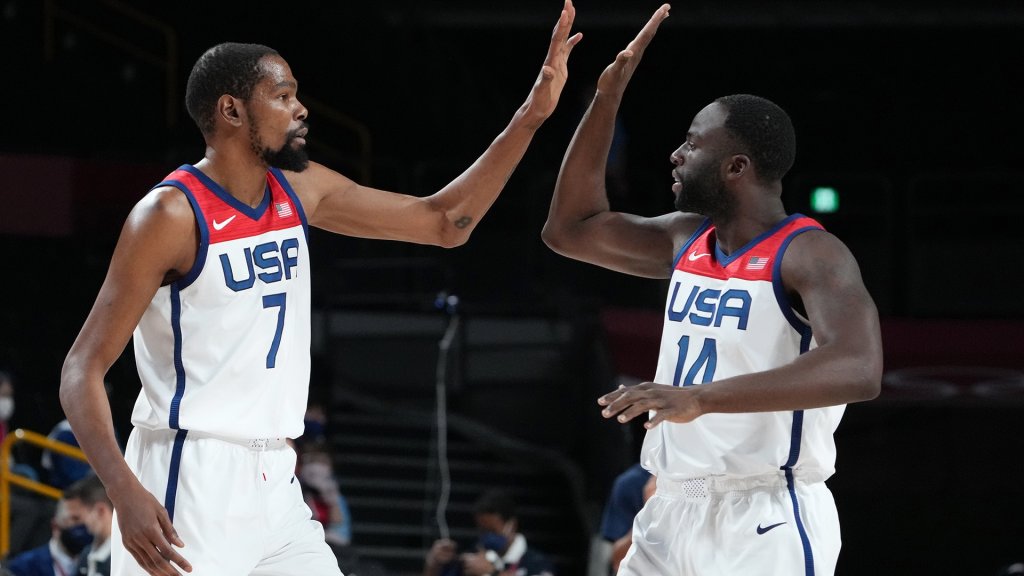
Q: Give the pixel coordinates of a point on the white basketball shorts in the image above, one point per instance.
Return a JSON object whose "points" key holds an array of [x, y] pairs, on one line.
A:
{"points": [[720, 526], [236, 505]]}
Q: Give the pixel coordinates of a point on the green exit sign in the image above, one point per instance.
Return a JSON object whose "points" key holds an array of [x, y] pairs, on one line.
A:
{"points": [[824, 200]]}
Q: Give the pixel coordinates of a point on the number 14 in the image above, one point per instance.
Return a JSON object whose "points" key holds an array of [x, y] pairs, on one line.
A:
{"points": [[707, 359]]}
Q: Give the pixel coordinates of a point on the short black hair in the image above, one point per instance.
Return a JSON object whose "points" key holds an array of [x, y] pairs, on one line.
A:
{"points": [[228, 68], [764, 130], [89, 489], [496, 501]]}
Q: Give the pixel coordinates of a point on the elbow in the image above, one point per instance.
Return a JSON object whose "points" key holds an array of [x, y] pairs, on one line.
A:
{"points": [[553, 238], [453, 238], [69, 382], [867, 382]]}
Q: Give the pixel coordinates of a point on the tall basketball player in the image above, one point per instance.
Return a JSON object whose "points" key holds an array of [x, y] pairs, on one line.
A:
{"points": [[768, 333], [211, 274]]}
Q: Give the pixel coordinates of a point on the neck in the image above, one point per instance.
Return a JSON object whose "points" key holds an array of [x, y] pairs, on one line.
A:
{"points": [[241, 174], [747, 223]]}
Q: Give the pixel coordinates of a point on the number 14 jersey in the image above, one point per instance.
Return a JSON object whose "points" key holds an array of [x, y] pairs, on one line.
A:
{"points": [[225, 349], [728, 315]]}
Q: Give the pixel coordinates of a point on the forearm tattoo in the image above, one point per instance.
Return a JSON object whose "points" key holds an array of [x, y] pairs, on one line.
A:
{"points": [[463, 222]]}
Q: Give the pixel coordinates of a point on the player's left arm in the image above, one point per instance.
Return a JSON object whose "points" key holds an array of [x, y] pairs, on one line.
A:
{"points": [[447, 217], [846, 366]]}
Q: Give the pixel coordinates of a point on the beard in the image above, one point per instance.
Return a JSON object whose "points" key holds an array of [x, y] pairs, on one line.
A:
{"points": [[287, 157], [703, 193]]}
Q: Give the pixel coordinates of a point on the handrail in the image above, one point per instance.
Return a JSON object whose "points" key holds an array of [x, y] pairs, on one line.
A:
{"points": [[360, 130], [7, 477]]}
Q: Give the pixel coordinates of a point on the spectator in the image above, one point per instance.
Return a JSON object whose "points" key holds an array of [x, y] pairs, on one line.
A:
{"points": [[63, 471], [30, 515], [629, 493], [320, 490], [6, 402], [58, 557], [98, 515], [500, 548]]}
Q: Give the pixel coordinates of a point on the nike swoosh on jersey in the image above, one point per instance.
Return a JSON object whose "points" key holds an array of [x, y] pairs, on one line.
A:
{"points": [[694, 256], [761, 530], [221, 225]]}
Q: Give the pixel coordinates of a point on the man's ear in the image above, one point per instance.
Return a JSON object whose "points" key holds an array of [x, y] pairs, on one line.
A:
{"points": [[738, 165], [231, 110]]}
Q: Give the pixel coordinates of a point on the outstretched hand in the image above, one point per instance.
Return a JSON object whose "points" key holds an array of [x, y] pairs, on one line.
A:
{"points": [[147, 533], [555, 71], [670, 403], [617, 75]]}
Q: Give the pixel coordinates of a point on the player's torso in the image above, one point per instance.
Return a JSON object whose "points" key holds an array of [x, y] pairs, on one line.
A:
{"points": [[726, 316], [225, 350]]}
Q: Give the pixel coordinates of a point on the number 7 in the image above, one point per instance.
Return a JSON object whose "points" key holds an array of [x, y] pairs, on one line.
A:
{"points": [[271, 301]]}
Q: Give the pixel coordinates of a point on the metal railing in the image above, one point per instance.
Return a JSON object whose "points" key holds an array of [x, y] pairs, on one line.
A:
{"points": [[7, 477]]}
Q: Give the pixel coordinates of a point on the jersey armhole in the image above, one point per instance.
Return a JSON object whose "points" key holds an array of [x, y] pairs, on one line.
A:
{"points": [[204, 234], [287, 187], [689, 242], [799, 323]]}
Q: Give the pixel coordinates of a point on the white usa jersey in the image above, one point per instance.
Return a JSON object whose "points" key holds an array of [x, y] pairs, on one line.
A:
{"points": [[726, 316], [225, 349]]}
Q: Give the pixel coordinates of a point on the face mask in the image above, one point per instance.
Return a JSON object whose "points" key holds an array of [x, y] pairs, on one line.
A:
{"points": [[493, 541], [75, 538], [6, 408], [314, 430]]}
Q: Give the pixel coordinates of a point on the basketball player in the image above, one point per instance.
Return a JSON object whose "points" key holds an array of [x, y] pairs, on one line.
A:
{"points": [[768, 333], [211, 273]]}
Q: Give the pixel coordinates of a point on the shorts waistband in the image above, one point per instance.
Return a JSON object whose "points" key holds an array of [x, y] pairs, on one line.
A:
{"points": [[709, 486], [251, 443]]}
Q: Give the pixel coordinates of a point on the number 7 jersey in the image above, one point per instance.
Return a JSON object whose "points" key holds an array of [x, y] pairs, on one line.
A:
{"points": [[225, 349], [728, 315]]}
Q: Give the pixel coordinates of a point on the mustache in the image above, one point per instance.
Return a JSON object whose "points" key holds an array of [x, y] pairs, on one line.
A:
{"points": [[293, 134]]}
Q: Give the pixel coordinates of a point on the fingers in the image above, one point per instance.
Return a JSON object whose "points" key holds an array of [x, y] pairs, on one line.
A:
{"points": [[169, 532], [637, 46], [561, 42], [171, 536], [565, 20], [623, 404], [155, 554], [611, 396], [152, 560]]}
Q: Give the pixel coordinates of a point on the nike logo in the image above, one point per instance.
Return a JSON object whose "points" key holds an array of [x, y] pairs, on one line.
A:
{"points": [[221, 225], [761, 530], [694, 256]]}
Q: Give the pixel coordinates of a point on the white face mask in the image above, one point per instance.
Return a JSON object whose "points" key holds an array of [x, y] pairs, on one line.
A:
{"points": [[6, 407]]}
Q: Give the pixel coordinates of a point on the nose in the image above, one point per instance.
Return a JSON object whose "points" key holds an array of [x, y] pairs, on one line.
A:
{"points": [[302, 112], [676, 157]]}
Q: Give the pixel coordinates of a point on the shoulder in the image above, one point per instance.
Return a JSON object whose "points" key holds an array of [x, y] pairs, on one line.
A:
{"points": [[683, 225], [25, 562], [317, 180], [164, 205], [816, 257]]}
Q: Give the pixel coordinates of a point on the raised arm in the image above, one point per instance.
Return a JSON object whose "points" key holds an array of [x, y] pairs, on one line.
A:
{"points": [[157, 241], [580, 223], [447, 217], [846, 366]]}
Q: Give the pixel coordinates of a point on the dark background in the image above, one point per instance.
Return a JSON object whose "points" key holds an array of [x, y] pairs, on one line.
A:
{"points": [[912, 110]]}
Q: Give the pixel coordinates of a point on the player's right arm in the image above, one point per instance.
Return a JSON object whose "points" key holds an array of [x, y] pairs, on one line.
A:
{"points": [[157, 243], [581, 224]]}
